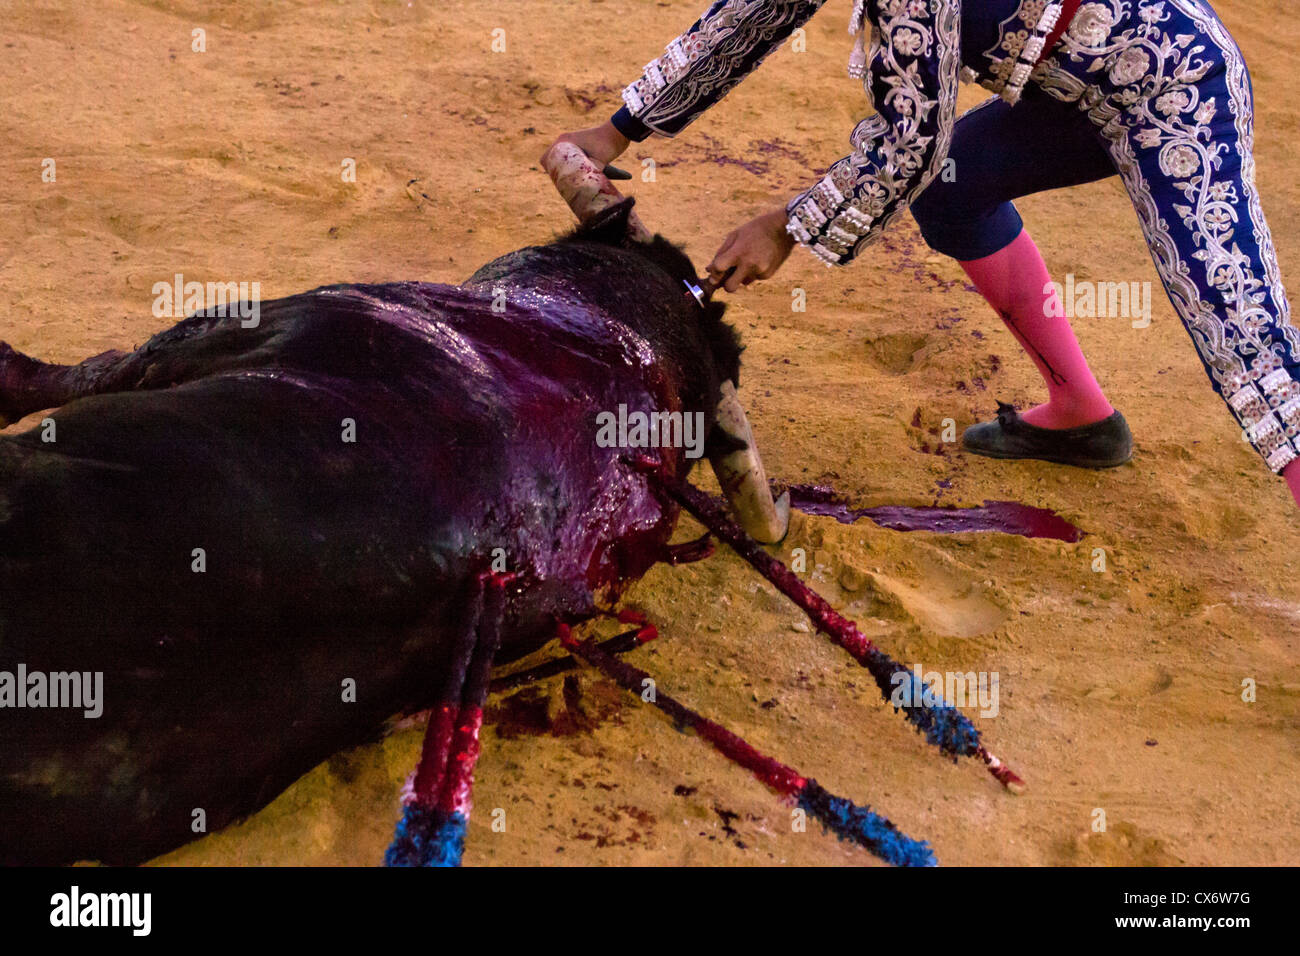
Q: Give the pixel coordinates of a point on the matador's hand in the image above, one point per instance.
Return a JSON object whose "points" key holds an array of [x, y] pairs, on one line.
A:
{"points": [[755, 251], [603, 143]]}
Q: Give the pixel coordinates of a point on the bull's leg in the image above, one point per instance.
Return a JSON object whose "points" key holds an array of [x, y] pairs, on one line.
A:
{"points": [[201, 344], [689, 552], [28, 385], [619, 644], [438, 801]]}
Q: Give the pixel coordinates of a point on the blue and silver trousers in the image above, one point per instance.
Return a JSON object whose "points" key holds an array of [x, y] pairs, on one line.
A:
{"points": [[1157, 92]]}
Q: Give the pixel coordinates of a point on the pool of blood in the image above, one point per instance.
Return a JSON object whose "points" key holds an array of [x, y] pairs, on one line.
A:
{"points": [[1007, 517]]}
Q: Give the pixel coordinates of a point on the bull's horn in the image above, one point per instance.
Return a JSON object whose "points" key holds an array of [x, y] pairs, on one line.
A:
{"points": [[741, 475], [585, 187], [588, 191]]}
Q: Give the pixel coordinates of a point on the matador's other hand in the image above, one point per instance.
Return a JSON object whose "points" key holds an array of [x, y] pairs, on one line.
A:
{"points": [[603, 143], [754, 251]]}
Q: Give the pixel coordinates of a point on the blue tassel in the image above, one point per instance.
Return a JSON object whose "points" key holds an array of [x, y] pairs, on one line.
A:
{"points": [[427, 838], [860, 825], [944, 725]]}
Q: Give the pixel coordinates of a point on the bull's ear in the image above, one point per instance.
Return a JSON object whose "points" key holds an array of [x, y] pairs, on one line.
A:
{"points": [[610, 224]]}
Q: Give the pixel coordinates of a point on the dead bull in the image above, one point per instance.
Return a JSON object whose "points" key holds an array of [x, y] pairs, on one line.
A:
{"points": [[201, 532], [234, 524]]}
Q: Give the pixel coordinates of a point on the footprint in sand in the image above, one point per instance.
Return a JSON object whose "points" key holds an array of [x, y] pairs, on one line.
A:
{"points": [[895, 352], [945, 598], [929, 589]]}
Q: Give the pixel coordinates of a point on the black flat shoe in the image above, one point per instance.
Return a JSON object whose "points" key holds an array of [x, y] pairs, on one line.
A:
{"points": [[1102, 444]]}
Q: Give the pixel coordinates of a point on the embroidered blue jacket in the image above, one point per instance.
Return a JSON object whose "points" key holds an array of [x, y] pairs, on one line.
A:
{"points": [[910, 74]]}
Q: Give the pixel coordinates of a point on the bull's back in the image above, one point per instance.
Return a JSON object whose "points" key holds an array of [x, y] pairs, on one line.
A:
{"points": [[230, 551]]}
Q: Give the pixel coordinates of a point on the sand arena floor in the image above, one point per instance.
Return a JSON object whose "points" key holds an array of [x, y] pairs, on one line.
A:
{"points": [[1119, 690]]}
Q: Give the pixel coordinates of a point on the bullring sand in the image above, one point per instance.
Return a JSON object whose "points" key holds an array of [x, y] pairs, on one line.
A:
{"points": [[1120, 690]]}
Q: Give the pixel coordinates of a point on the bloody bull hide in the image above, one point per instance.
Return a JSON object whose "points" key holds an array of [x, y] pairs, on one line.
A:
{"points": [[265, 539]]}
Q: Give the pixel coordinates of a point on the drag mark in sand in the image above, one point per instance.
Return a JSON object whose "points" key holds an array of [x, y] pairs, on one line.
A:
{"points": [[1007, 517]]}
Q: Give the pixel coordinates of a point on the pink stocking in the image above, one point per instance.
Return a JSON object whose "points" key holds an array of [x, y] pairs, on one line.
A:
{"points": [[1016, 283], [1292, 475]]}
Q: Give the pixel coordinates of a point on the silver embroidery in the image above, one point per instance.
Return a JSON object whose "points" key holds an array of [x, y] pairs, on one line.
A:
{"points": [[1021, 38], [1135, 69], [897, 152], [705, 63]]}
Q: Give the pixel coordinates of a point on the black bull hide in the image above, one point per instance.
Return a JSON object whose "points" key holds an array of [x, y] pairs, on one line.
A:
{"points": [[200, 532]]}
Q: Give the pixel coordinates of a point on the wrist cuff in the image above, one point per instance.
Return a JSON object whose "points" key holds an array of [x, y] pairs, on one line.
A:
{"points": [[629, 125]]}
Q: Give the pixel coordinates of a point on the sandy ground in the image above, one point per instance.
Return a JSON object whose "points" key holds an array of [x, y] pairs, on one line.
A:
{"points": [[1120, 690]]}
